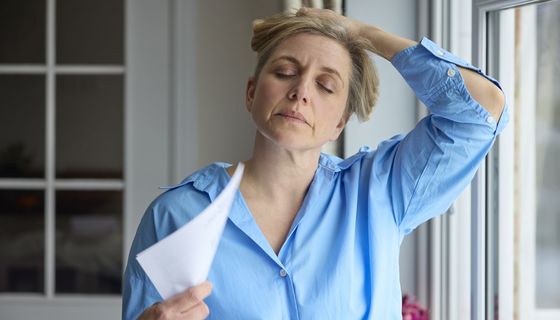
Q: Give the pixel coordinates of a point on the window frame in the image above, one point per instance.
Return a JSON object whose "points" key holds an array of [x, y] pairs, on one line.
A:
{"points": [[471, 240], [146, 74], [50, 184], [489, 53]]}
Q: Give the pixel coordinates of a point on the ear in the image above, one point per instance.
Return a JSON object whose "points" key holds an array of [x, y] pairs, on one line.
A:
{"points": [[340, 126], [250, 93]]}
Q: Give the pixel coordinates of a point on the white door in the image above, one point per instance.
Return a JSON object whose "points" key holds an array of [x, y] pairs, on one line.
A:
{"points": [[84, 118]]}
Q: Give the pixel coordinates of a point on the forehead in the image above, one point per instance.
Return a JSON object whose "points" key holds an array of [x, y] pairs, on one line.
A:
{"points": [[310, 48]]}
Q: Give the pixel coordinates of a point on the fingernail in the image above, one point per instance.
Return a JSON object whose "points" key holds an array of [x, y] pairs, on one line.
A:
{"points": [[256, 22]]}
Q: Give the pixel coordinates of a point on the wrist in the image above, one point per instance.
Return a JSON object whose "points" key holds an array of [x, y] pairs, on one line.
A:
{"points": [[383, 43], [371, 34]]}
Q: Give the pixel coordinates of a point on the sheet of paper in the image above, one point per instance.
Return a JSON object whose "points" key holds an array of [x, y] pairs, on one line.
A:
{"points": [[183, 258]]}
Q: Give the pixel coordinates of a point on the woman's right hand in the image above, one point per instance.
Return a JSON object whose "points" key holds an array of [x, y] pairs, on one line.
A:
{"points": [[188, 305]]}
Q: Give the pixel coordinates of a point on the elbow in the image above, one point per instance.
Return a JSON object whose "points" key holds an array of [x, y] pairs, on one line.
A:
{"points": [[486, 93], [492, 99], [496, 101]]}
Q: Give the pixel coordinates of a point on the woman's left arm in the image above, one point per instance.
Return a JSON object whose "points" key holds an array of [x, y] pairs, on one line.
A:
{"points": [[425, 170], [387, 45]]}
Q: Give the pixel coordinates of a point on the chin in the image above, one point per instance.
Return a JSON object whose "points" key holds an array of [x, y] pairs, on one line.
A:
{"points": [[293, 142]]}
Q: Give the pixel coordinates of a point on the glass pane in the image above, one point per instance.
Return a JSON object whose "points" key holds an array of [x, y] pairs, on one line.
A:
{"points": [[22, 238], [547, 124], [89, 31], [532, 58], [89, 244], [22, 101], [89, 126], [22, 31]]}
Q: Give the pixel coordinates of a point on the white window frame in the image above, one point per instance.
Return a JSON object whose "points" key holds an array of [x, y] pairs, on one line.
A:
{"points": [[496, 49], [444, 243], [457, 244], [50, 183], [147, 157]]}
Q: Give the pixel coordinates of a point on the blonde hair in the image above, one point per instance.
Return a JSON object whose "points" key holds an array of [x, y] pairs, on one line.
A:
{"points": [[364, 82]]}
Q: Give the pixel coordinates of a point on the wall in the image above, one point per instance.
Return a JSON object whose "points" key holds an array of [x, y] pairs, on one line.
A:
{"points": [[214, 63], [395, 112]]}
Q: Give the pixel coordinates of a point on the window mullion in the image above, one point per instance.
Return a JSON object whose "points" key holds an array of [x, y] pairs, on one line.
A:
{"points": [[478, 257], [50, 153]]}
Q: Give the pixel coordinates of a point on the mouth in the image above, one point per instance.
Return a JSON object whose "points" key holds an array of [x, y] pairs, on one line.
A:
{"points": [[293, 116]]}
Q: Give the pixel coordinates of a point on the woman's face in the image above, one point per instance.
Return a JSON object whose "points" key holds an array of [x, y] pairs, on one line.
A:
{"points": [[300, 97]]}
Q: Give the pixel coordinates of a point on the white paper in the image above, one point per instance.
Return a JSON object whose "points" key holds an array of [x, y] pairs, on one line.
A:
{"points": [[183, 258]]}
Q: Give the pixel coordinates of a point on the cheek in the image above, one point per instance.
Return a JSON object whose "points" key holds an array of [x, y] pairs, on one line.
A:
{"points": [[268, 91], [335, 111]]}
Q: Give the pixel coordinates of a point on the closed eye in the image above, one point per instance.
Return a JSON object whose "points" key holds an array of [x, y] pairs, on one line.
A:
{"points": [[281, 75], [325, 88]]}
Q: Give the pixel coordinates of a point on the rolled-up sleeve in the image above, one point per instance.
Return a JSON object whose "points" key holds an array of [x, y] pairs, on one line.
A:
{"points": [[433, 163]]}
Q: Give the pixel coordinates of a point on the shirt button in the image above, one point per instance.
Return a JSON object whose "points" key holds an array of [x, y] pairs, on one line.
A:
{"points": [[283, 273], [490, 120], [439, 53], [451, 72]]}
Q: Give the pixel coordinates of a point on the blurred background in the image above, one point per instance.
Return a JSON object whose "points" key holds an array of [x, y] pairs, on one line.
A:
{"points": [[103, 101]]}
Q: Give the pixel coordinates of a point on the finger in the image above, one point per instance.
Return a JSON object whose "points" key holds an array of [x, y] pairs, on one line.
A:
{"points": [[198, 311], [191, 297], [257, 22], [301, 11], [304, 11]]}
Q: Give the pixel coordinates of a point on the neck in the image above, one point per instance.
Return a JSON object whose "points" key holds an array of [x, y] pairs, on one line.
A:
{"points": [[276, 173]]}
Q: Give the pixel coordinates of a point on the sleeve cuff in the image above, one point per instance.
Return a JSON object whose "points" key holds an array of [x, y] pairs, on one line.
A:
{"points": [[407, 56]]}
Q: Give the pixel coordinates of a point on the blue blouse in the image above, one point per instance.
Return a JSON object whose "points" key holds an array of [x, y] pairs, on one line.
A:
{"points": [[340, 259]]}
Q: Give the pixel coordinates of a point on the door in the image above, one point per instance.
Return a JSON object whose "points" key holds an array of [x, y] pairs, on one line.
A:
{"points": [[84, 112]]}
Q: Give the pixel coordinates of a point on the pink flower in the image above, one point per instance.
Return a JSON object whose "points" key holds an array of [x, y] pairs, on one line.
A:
{"points": [[411, 310]]}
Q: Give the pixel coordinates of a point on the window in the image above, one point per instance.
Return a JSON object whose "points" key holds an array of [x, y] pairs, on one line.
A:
{"points": [[502, 262], [523, 246], [61, 147]]}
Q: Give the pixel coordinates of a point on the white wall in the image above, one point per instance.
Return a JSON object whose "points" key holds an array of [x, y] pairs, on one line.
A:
{"points": [[395, 111], [214, 61], [396, 108]]}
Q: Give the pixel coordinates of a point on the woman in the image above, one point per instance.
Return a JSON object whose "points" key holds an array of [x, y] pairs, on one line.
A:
{"points": [[311, 235]]}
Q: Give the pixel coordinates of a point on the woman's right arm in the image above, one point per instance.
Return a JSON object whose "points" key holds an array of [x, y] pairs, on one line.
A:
{"points": [[140, 298], [188, 305]]}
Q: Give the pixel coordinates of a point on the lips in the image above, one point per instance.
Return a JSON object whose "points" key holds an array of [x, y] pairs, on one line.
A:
{"points": [[293, 115]]}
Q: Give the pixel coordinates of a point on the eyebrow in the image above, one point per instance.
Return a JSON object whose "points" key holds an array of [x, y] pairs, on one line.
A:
{"points": [[323, 68]]}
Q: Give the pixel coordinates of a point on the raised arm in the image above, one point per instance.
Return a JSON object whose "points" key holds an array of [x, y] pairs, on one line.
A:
{"points": [[424, 171], [387, 45]]}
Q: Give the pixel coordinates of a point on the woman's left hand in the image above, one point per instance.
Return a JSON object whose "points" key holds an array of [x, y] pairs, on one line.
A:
{"points": [[379, 42], [353, 26]]}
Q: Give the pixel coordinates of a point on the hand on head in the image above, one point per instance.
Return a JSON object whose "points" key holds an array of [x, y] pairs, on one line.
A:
{"points": [[188, 305], [351, 25]]}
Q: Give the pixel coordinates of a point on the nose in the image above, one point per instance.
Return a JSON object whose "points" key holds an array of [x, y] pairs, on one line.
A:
{"points": [[299, 92]]}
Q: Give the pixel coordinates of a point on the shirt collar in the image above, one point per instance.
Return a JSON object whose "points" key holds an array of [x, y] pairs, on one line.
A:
{"points": [[211, 179]]}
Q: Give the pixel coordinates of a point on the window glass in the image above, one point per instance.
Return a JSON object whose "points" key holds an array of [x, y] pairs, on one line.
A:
{"points": [[89, 126], [22, 126], [547, 136], [88, 241], [22, 31], [532, 49], [22, 238], [89, 31]]}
